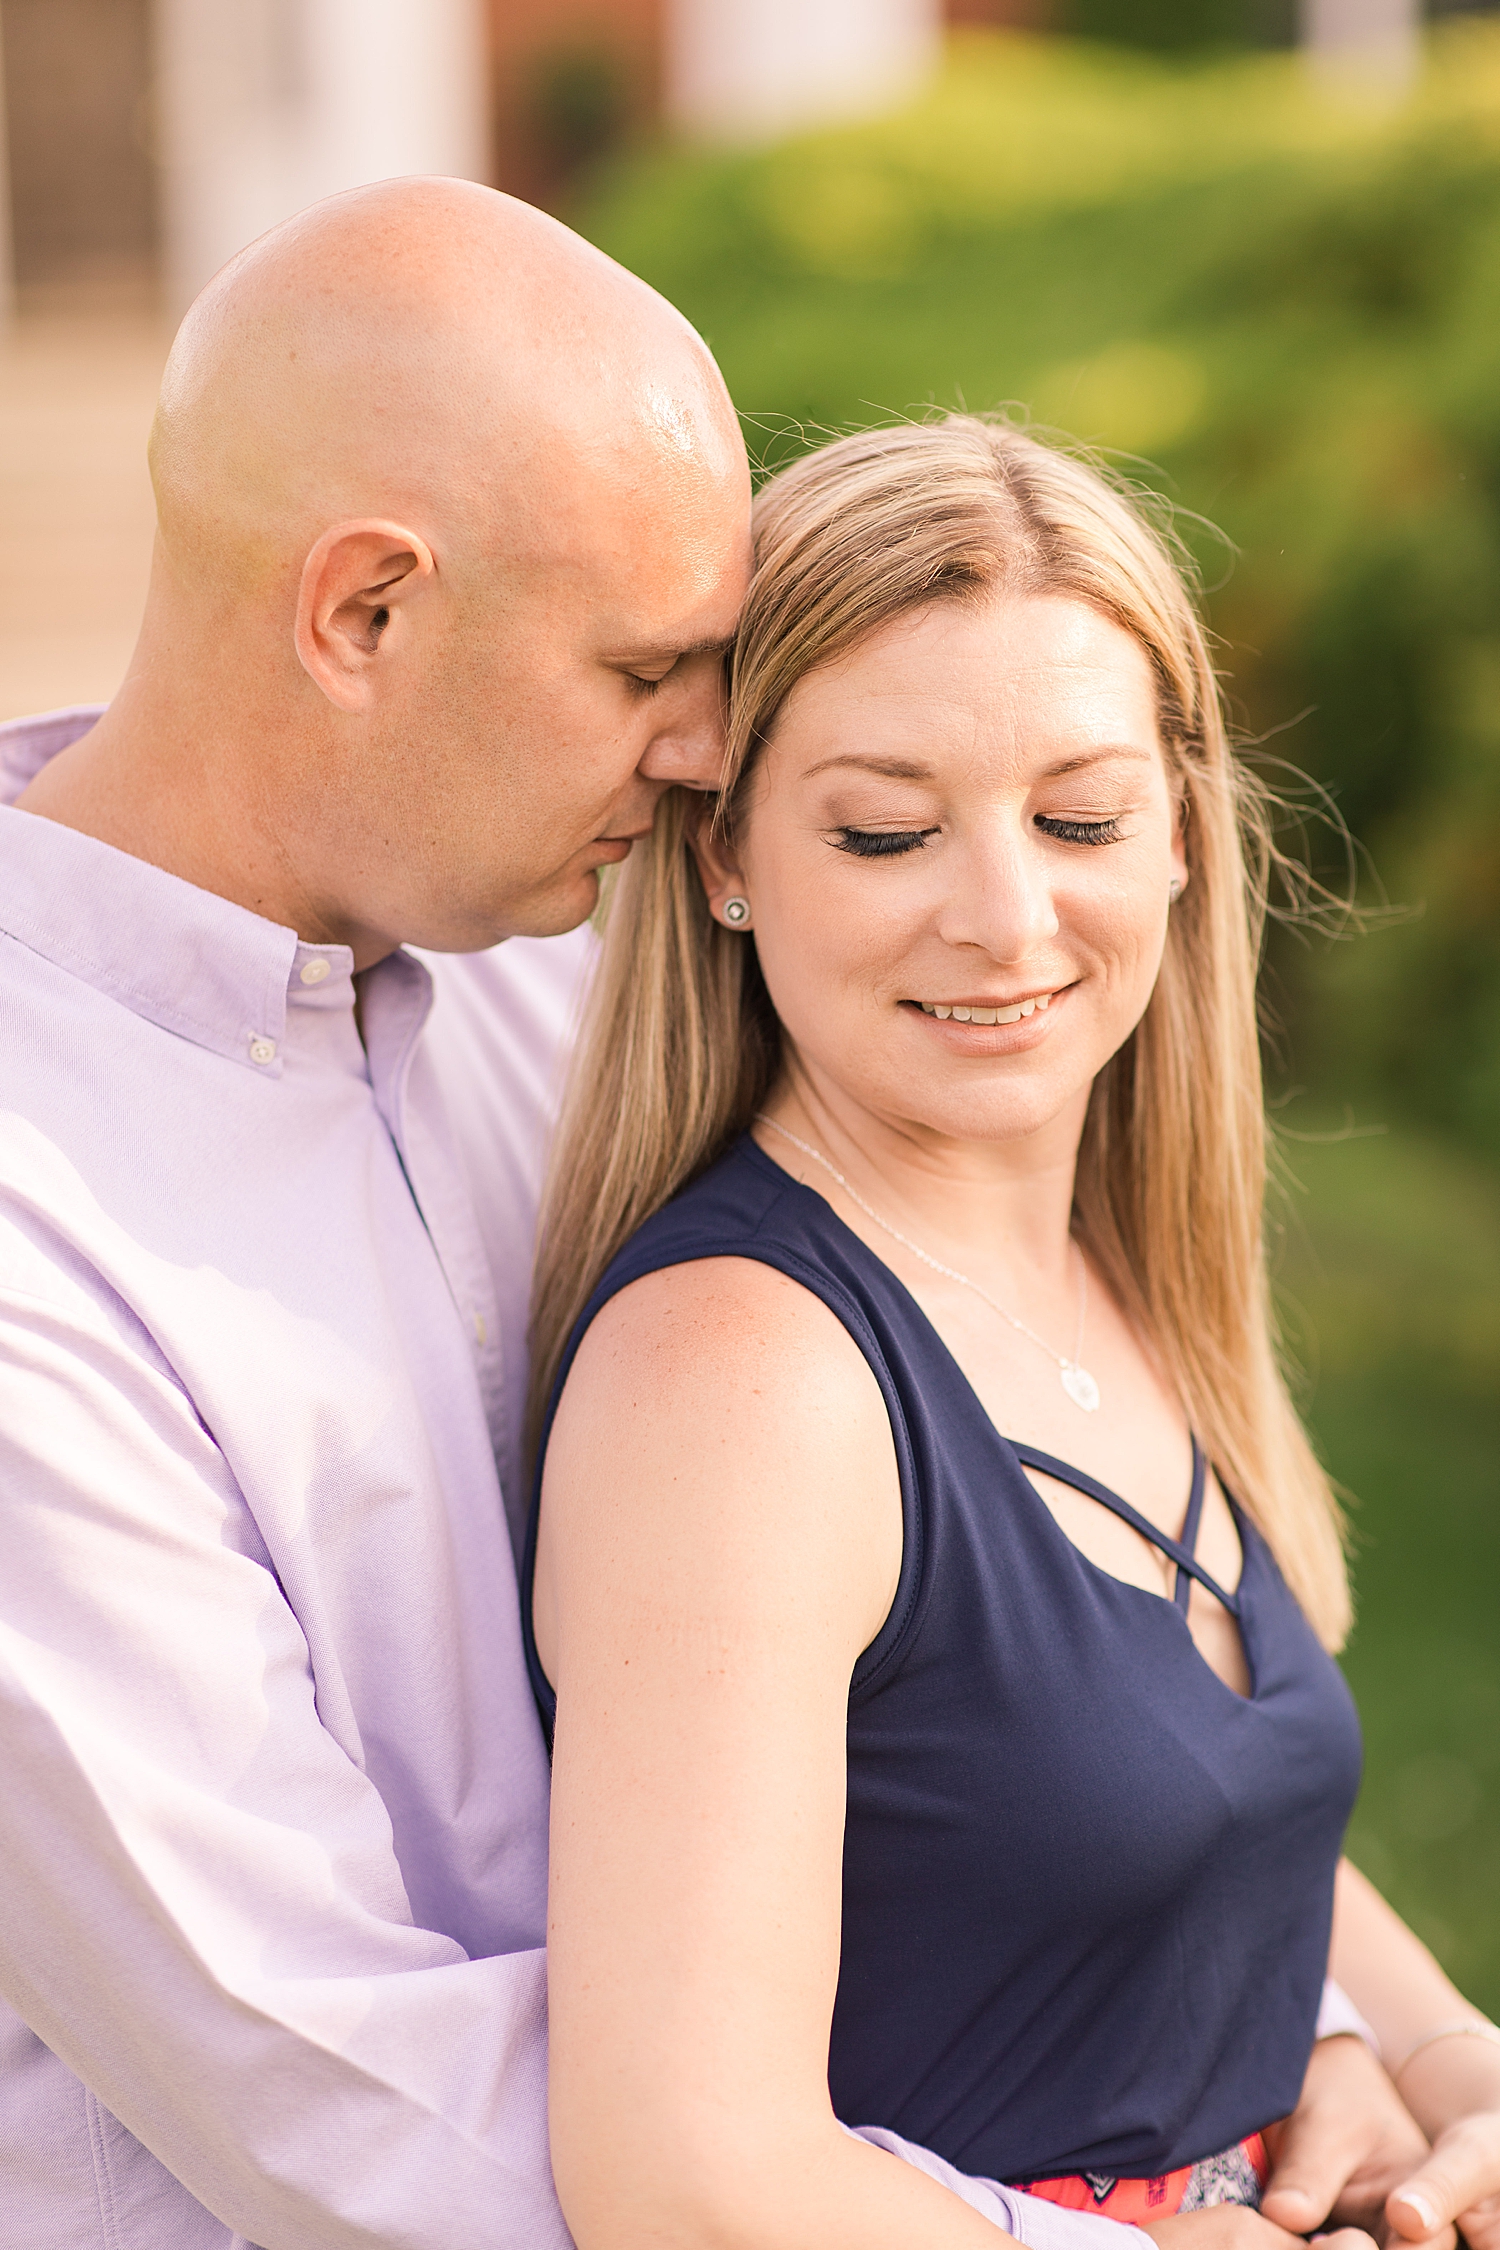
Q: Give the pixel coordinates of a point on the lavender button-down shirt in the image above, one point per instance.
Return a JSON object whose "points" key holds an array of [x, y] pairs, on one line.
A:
{"points": [[273, 1813], [273, 1817]]}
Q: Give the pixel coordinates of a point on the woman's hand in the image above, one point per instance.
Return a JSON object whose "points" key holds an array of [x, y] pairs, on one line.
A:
{"points": [[1453, 2086], [1450, 2086], [1229, 2226], [1348, 2144], [1353, 2154]]}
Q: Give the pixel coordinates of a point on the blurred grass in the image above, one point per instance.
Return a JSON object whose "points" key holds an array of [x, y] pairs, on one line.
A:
{"points": [[1390, 1281], [1291, 304]]}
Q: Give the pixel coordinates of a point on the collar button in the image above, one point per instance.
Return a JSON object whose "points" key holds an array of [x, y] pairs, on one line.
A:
{"points": [[262, 1050]]}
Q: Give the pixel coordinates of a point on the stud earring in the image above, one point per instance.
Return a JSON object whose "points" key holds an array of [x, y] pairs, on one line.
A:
{"points": [[1174, 891], [737, 913]]}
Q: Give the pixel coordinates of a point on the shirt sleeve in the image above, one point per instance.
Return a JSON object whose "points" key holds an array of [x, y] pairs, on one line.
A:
{"points": [[205, 1918], [1337, 2014], [1030, 2218]]}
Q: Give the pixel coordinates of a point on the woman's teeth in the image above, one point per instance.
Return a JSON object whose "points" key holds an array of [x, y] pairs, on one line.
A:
{"points": [[986, 1015]]}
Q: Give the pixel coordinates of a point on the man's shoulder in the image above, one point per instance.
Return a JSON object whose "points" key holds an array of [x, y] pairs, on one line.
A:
{"points": [[27, 744], [55, 1246]]}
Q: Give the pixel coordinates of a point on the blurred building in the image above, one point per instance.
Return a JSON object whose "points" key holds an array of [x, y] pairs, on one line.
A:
{"points": [[148, 139], [82, 187], [1377, 40], [743, 68]]}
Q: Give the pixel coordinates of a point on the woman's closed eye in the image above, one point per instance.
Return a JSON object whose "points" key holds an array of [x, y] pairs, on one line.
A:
{"points": [[1078, 831], [893, 843], [881, 843]]}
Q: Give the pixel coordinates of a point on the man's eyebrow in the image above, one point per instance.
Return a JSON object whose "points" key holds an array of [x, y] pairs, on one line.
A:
{"points": [[672, 652]]}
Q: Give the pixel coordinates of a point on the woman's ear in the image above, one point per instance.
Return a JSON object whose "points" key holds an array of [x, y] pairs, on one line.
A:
{"points": [[1179, 858], [719, 868]]}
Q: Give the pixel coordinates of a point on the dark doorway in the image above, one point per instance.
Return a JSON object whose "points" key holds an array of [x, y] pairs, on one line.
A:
{"points": [[77, 108]]}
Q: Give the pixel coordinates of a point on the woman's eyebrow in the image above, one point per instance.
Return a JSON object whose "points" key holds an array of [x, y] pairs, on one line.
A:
{"points": [[912, 769], [894, 769], [1086, 758]]}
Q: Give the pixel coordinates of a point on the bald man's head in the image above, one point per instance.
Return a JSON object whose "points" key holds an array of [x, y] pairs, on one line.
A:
{"points": [[427, 347], [455, 507]]}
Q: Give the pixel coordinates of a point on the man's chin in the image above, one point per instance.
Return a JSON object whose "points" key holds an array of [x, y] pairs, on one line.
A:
{"points": [[550, 910], [554, 910], [561, 909]]}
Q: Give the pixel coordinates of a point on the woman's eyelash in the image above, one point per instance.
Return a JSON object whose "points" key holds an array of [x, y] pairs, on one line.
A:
{"points": [[886, 843], [640, 685], [882, 843], [1079, 831]]}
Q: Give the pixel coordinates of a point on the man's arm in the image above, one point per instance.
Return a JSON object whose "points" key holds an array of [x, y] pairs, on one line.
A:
{"points": [[205, 1918]]}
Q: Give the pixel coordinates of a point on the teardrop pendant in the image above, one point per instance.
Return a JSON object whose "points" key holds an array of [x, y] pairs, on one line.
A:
{"points": [[1080, 1386]]}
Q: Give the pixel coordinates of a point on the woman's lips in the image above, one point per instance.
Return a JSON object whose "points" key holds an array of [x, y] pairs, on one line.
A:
{"points": [[986, 1011], [991, 1027]]}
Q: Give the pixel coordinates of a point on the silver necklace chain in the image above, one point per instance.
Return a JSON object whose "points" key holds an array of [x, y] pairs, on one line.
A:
{"points": [[1076, 1379]]}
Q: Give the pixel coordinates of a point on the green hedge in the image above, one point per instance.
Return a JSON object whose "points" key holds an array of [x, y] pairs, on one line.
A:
{"points": [[1287, 302]]}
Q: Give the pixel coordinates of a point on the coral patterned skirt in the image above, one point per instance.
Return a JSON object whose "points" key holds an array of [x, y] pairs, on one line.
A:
{"points": [[1238, 2176]]}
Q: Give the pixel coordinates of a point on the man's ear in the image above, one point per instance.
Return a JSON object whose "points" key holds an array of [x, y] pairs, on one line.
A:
{"points": [[357, 579], [717, 863]]}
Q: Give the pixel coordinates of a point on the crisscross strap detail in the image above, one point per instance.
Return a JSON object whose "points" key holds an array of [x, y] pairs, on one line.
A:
{"points": [[1190, 1522], [1178, 1551]]}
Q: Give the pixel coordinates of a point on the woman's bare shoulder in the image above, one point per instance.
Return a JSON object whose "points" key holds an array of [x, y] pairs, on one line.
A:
{"points": [[721, 1401], [730, 1324]]}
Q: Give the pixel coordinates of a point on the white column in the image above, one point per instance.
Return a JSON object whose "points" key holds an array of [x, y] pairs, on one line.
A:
{"points": [[266, 105], [1371, 43], [750, 69]]}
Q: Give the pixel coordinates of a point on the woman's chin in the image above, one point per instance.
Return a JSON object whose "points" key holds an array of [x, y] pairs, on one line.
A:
{"points": [[1025, 1106]]}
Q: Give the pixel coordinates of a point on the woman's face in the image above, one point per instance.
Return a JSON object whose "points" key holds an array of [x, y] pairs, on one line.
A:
{"points": [[957, 851]]}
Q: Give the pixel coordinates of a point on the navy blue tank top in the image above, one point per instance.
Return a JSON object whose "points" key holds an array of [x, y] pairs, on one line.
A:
{"points": [[1087, 1887]]}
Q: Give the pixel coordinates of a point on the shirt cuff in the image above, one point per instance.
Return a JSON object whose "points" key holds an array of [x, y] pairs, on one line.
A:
{"points": [[1032, 2220], [1337, 2013]]}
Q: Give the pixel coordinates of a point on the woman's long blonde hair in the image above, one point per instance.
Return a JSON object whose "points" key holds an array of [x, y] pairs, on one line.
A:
{"points": [[680, 1044]]}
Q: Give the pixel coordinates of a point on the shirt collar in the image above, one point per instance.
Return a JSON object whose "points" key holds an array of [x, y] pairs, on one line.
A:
{"points": [[181, 957]]}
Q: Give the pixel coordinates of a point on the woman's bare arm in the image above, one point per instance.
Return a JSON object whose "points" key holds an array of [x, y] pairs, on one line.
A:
{"points": [[1388, 1972], [721, 1536]]}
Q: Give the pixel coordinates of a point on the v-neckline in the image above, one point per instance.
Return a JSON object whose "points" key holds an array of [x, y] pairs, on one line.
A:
{"points": [[1011, 1449]]}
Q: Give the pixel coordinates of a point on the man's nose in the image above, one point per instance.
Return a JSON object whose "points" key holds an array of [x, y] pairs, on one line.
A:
{"points": [[689, 747]]}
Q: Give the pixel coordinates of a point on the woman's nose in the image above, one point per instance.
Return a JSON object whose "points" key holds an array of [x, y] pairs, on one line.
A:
{"points": [[1002, 898]]}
